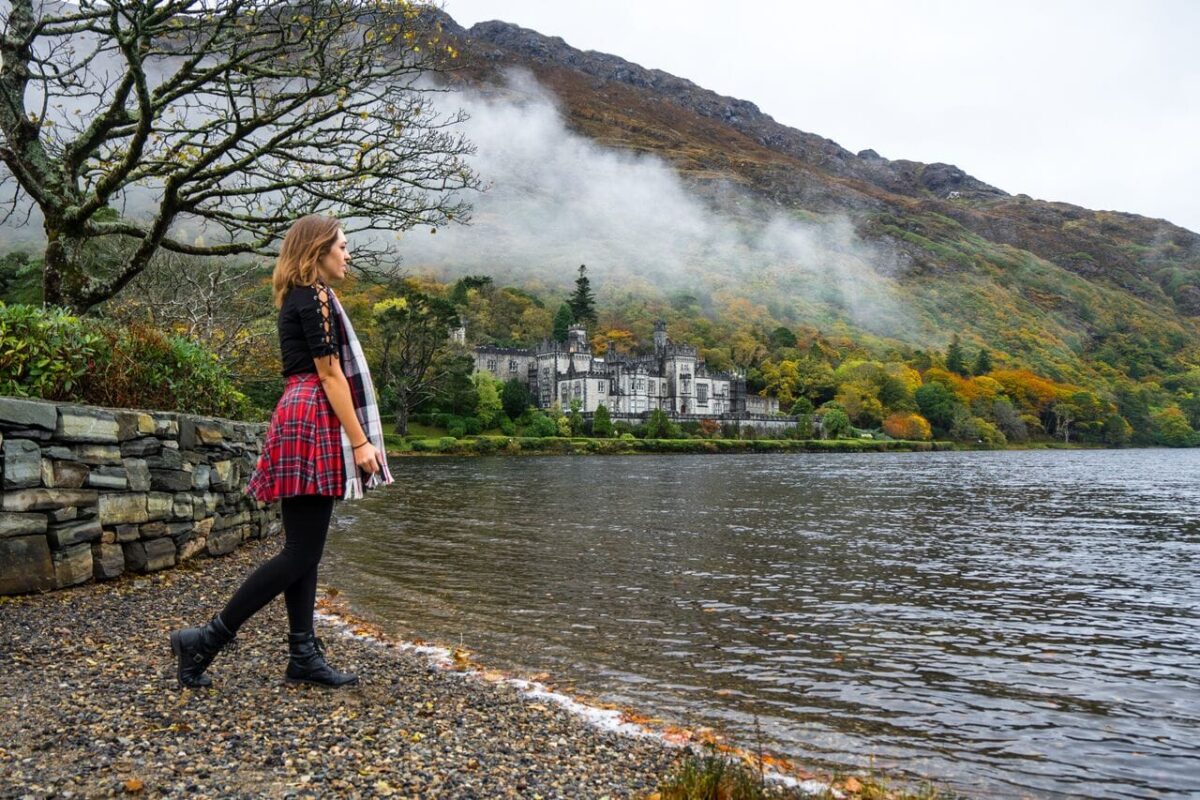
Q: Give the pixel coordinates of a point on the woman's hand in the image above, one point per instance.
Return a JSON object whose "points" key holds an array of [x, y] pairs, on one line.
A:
{"points": [[367, 458]]}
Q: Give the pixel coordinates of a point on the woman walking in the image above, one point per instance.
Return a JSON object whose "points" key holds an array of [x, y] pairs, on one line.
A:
{"points": [[325, 441]]}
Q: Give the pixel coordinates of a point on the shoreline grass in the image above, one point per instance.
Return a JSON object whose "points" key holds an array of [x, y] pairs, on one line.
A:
{"points": [[558, 445]]}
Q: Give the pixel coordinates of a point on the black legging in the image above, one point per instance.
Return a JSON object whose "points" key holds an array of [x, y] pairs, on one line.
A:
{"points": [[293, 571]]}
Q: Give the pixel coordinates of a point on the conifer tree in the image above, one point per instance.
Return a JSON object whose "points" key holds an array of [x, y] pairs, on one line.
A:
{"points": [[602, 426], [956, 362], [983, 362], [562, 323], [583, 305]]}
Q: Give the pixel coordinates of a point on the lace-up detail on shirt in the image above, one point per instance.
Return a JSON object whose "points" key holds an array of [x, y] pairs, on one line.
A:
{"points": [[326, 309]]}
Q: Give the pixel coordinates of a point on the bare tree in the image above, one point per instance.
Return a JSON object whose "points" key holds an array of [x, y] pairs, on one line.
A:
{"points": [[205, 127], [220, 301]]}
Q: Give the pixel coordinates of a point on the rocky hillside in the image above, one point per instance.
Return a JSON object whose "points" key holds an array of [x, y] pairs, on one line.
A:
{"points": [[1056, 286]]}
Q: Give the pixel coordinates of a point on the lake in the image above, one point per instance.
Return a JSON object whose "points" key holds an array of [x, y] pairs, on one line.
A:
{"points": [[1004, 623]]}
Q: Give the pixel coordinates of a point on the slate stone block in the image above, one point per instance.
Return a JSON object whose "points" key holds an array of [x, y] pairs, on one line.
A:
{"points": [[108, 561], [149, 555], [222, 542], [12, 524], [140, 448], [72, 566], [86, 425], [16, 413], [28, 566], [108, 478], [170, 480], [46, 499], [123, 507], [63, 474], [138, 474], [68, 534], [22, 463]]}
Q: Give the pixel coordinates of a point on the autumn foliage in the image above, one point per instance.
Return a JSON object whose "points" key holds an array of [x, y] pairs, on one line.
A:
{"points": [[907, 426]]}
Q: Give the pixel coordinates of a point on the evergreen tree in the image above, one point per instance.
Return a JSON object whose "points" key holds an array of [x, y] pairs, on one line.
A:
{"points": [[956, 362], [515, 398], [583, 305], [983, 362], [575, 418], [562, 323], [659, 425], [602, 423]]}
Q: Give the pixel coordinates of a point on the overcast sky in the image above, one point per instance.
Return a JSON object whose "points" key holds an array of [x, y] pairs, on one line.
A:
{"points": [[1095, 103]]}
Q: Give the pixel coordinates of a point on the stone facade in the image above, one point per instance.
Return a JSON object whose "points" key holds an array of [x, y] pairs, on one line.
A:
{"points": [[90, 493], [674, 379]]}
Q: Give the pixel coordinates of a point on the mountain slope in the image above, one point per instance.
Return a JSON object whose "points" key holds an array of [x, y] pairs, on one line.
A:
{"points": [[1050, 283]]}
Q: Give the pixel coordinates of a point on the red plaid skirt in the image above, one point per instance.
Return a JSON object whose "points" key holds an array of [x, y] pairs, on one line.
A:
{"points": [[302, 451]]}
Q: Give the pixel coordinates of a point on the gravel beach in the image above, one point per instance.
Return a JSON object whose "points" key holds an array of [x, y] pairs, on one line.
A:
{"points": [[89, 707]]}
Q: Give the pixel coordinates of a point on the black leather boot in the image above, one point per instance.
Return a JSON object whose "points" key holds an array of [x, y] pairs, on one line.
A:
{"points": [[196, 648], [307, 663]]}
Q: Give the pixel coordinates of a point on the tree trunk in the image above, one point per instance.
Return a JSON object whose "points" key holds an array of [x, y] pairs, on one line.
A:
{"points": [[62, 279], [402, 413]]}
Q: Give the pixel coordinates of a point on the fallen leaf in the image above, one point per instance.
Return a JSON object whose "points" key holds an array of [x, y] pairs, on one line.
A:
{"points": [[133, 786]]}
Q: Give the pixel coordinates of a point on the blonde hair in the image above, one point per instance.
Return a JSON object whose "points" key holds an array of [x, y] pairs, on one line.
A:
{"points": [[306, 243]]}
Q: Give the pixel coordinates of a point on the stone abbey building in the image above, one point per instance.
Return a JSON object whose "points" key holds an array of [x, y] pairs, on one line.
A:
{"points": [[674, 379]]}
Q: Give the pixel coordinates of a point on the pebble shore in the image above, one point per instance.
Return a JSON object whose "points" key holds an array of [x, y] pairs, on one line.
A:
{"points": [[90, 707]]}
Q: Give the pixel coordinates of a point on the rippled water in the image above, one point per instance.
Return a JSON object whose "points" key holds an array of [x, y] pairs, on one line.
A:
{"points": [[1008, 624]]}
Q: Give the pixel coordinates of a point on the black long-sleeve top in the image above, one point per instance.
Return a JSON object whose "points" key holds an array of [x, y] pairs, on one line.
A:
{"points": [[305, 333]]}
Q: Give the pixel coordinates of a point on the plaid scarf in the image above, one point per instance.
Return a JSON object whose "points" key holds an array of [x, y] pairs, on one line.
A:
{"points": [[362, 392]]}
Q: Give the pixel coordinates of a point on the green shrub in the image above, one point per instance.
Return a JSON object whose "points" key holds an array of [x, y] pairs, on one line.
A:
{"points": [[53, 355], [486, 445], [542, 426], [473, 426], [508, 427], [456, 429], [44, 353]]}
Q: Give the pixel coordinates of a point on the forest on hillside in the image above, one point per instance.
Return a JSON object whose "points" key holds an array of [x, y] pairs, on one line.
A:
{"points": [[208, 343]]}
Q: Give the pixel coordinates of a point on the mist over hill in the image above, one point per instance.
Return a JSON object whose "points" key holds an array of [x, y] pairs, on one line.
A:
{"points": [[661, 186]]}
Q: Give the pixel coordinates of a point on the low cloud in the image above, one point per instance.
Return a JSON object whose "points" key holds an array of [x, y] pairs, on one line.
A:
{"points": [[556, 200]]}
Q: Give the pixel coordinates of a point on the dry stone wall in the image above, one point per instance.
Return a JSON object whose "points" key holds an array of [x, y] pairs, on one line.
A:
{"points": [[89, 493]]}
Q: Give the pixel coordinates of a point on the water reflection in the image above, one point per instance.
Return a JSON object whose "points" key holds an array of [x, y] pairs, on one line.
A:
{"points": [[1011, 623]]}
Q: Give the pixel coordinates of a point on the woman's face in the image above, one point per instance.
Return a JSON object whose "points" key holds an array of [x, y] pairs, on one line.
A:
{"points": [[332, 268]]}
